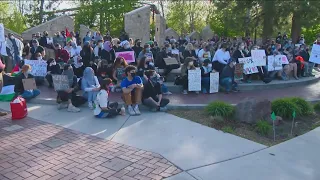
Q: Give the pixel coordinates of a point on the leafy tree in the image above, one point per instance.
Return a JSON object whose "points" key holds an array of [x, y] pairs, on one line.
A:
{"points": [[104, 15], [12, 18], [186, 16]]}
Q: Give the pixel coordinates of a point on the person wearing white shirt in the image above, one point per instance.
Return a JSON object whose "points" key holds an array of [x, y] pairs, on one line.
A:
{"points": [[97, 50], [204, 54], [221, 58], [76, 59], [104, 109]]}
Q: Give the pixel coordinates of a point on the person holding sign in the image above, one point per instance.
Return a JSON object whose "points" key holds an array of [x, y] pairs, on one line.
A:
{"points": [[221, 58], [52, 68], [160, 62], [241, 53], [68, 94], [119, 67], [187, 65], [227, 78], [132, 90], [27, 94], [292, 66], [90, 86], [206, 69], [308, 66]]}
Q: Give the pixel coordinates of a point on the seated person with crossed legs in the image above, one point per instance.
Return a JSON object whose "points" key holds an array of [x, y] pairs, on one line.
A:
{"points": [[132, 90]]}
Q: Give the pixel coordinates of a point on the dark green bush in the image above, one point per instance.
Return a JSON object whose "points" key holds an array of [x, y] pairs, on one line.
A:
{"points": [[304, 106], [263, 127], [316, 106], [284, 107], [219, 108]]}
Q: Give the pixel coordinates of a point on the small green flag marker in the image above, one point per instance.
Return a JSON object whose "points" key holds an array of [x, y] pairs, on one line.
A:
{"points": [[273, 116], [294, 114]]}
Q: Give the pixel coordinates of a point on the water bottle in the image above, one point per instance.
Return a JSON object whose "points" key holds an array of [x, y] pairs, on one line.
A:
{"points": [[123, 110]]}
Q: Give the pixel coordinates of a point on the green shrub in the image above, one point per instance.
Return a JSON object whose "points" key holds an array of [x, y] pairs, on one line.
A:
{"points": [[316, 107], [219, 108], [284, 107], [227, 129], [304, 106], [263, 127]]}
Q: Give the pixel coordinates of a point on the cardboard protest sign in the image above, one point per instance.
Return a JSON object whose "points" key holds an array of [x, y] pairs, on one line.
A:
{"points": [[238, 71], [194, 80], [38, 68], [60, 82], [274, 63], [29, 84], [2, 38], [170, 61], [315, 54], [259, 57], [214, 82], [283, 58], [249, 66], [127, 55]]}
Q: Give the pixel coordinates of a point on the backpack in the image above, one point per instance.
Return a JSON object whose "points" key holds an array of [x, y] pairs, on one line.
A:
{"points": [[178, 80]]}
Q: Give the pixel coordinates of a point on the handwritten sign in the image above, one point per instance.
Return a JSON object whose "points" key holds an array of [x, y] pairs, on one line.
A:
{"points": [[249, 66], [283, 58], [29, 84], [238, 71], [274, 63], [2, 38], [315, 54], [60, 82], [170, 61], [194, 80], [127, 55], [49, 40], [214, 82], [38, 68], [259, 57], [175, 51]]}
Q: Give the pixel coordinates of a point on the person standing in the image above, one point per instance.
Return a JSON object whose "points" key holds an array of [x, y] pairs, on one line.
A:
{"points": [[15, 47]]}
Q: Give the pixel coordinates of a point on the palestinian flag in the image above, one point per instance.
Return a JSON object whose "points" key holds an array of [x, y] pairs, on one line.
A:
{"points": [[68, 35], [7, 93], [15, 71]]}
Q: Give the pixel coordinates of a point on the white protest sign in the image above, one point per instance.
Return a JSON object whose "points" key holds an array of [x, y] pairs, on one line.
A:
{"points": [[38, 67], [259, 57], [249, 66], [60, 82], [315, 54], [2, 38], [49, 40], [284, 59], [194, 80], [214, 82], [274, 63]]}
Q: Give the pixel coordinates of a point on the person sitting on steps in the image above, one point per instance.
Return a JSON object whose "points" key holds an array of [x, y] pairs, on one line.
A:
{"points": [[132, 90], [227, 78], [152, 95]]}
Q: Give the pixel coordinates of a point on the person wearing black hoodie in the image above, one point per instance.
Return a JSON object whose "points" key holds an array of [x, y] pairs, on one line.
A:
{"points": [[52, 68], [306, 56], [137, 48], [227, 78]]}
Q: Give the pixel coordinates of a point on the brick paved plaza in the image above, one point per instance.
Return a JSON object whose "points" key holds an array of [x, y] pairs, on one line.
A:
{"points": [[32, 149]]}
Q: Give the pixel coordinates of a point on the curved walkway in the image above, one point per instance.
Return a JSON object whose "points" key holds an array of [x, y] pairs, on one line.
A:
{"points": [[202, 153]]}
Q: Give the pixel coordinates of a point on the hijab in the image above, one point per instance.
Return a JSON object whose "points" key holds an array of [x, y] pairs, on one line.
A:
{"points": [[70, 74], [88, 77], [107, 45]]}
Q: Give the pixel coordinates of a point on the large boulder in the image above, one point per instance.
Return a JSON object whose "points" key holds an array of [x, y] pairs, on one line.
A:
{"points": [[251, 110]]}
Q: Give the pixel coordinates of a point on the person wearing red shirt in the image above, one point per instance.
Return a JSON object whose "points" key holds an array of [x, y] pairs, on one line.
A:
{"points": [[61, 54]]}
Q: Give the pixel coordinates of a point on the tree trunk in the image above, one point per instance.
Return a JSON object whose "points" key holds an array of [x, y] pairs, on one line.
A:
{"points": [[41, 11], [296, 27], [247, 22], [162, 9], [268, 19]]}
